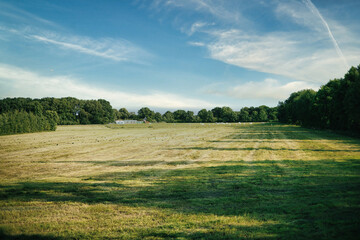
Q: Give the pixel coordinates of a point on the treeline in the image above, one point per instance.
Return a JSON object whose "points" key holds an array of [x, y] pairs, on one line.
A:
{"points": [[23, 115], [218, 114], [336, 105], [69, 110], [26, 122]]}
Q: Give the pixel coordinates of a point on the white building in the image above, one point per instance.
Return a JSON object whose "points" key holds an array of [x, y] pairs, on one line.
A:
{"points": [[128, 122]]}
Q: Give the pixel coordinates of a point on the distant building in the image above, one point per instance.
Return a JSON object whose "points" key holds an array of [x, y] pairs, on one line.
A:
{"points": [[128, 122]]}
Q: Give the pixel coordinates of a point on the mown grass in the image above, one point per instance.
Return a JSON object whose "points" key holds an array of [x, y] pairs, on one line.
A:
{"points": [[180, 181]]}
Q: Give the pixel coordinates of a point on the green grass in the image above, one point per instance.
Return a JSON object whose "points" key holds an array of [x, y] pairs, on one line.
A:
{"points": [[180, 181]]}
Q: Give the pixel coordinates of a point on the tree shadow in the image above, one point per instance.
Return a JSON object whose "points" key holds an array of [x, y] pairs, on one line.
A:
{"points": [[276, 131], [238, 232], [314, 199], [130, 163], [262, 148], [5, 236]]}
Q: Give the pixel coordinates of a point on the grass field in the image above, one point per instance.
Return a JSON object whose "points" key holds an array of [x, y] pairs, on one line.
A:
{"points": [[180, 181]]}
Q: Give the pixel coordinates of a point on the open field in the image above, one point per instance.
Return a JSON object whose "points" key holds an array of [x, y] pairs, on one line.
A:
{"points": [[180, 181]]}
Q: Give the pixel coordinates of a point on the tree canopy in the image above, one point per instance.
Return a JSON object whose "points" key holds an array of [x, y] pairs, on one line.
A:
{"points": [[336, 105]]}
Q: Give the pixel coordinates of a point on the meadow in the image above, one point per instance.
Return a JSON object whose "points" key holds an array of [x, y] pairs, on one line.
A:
{"points": [[180, 181]]}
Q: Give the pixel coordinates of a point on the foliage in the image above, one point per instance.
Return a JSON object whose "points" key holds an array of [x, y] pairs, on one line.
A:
{"points": [[145, 112], [74, 111], [334, 106], [206, 116], [168, 117], [14, 122], [69, 110], [123, 114]]}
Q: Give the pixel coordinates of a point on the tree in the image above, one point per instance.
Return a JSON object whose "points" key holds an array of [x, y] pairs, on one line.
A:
{"points": [[180, 115], [52, 117], [228, 115], [158, 117], [168, 117], [123, 113], [244, 115], [352, 98], [329, 105], [217, 113], [263, 117], [145, 112], [190, 117], [206, 116], [335, 105]]}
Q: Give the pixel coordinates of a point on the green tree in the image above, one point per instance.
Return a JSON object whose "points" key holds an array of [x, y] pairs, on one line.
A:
{"points": [[206, 116], [180, 115], [52, 118], [244, 115], [168, 117], [263, 117], [145, 112], [190, 117], [158, 117], [217, 114], [123, 113], [352, 98]]}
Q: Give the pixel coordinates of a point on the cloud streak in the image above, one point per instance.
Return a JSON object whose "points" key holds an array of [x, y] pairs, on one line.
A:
{"points": [[16, 82], [277, 53], [114, 49], [304, 52], [313, 8], [225, 11], [20, 15]]}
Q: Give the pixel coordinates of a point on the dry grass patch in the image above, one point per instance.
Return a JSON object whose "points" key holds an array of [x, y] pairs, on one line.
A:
{"points": [[180, 181]]}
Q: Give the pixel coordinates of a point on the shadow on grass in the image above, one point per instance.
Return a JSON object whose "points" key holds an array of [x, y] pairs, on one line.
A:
{"points": [[5, 236], [276, 131], [262, 148], [248, 232], [128, 163], [306, 199]]}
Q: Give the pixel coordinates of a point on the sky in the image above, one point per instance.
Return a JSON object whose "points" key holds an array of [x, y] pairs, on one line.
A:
{"points": [[175, 54]]}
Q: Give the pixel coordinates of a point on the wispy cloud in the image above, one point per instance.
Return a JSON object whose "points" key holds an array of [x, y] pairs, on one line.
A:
{"points": [[305, 49], [224, 10], [119, 50], [266, 89], [109, 48], [312, 7], [21, 16], [16, 82], [278, 53], [195, 27], [28, 26], [197, 44]]}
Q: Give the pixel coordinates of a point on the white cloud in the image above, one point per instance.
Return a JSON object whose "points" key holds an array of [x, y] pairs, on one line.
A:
{"points": [[197, 44], [224, 10], [114, 49], [267, 89], [313, 49], [16, 82], [299, 13], [119, 50], [288, 54], [19, 15], [195, 27], [316, 12]]}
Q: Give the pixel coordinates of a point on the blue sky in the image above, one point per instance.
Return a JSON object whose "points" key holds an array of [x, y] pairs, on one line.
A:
{"points": [[175, 54]]}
